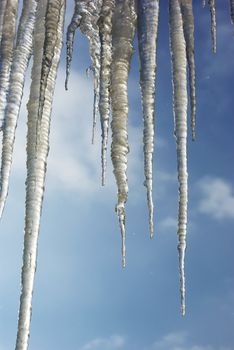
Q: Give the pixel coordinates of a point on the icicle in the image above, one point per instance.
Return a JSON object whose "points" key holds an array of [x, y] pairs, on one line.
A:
{"points": [[86, 16], [203, 3], [188, 25], [213, 23], [37, 151], [148, 13], [178, 52], [75, 23], [22, 54], [7, 44], [124, 20], [105, 27], [2, 12], [232, 10]]}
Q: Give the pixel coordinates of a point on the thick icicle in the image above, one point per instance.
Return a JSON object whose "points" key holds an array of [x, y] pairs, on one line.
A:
{"points": [[148, 14], [22, 54], [232, 10], [124, 21], [178, 52], [2, 12], [6, 54], [37, 151], [75, 23], [105, 27], [213, 23], [86, 16], [188, 24]]}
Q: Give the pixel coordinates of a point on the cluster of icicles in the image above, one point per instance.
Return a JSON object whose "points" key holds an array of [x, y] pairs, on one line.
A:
{"points": [[110, 26]]}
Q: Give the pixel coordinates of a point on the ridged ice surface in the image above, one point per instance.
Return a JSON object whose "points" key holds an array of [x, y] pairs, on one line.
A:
{"points": [[2, 12], [213, 23], [49, 28], [188, 24], [178, 52], [105, 30], [21, 57], [232, 10], [124, 21], [148, 15], [6, 53]]}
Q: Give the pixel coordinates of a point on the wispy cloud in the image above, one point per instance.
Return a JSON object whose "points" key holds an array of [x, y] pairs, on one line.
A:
{"points": [[111, 343], [180, 341], [217, 198]]}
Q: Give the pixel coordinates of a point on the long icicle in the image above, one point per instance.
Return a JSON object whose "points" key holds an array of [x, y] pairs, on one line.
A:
{"points": [[188, 25], [2, 12], [232, 10], [105, 28], [37, 151], [178, 52], [6, 54], [21, 57], [75, 23], [124, 21], [213, 23], [148, 15]]}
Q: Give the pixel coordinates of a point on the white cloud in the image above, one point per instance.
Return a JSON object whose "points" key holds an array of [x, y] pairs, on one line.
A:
{"points": [[180, 341], [111, 343], [168, 223], [217, 198]]}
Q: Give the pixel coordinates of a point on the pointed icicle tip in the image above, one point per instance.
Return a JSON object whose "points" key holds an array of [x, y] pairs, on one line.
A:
{"points": [[121, 215], [178, 54], [148, 16]]}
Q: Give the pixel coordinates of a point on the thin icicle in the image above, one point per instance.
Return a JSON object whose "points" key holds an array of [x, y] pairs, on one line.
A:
{"points": [[148, 15], [124, 21], [105, 27], [178, 52], [6, 54], [37, 151], [232, 10], [188, 25], [213, 23], [2, 12], [22, 54], [75, 23], [86, 17]]}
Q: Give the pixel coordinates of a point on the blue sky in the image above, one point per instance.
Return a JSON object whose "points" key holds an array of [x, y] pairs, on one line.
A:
{"points": [[83, 299]]}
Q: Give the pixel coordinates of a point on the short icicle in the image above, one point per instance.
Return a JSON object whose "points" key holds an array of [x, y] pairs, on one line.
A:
{"points": [[37, 152], [213, 23], [75, 23], [86, 16], [105, 28], [188, 25], [178, 52], [21, 57], [124, 22], [203, 3], [2, 12], [6, 53], [148, 15], [232, 10]]}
